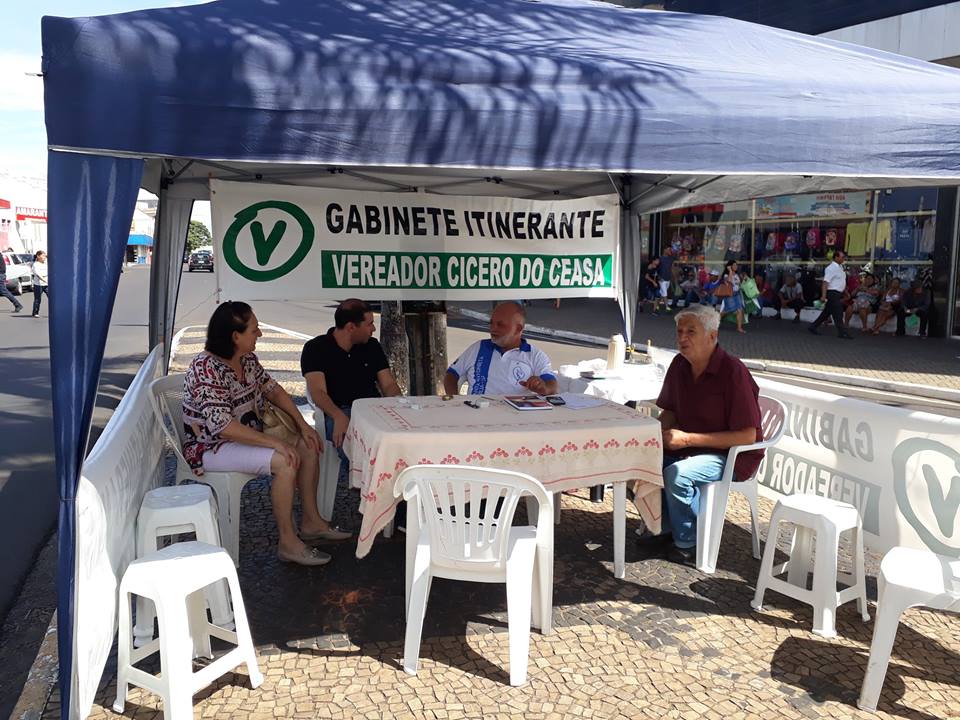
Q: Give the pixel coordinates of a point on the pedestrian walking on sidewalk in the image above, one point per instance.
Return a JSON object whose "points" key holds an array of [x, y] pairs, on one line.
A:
{"points": [[4, 291], [39, 266], [831, 295]]}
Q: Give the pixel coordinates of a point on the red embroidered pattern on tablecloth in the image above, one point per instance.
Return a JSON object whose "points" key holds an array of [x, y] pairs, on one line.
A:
{"points": [[358, 438], [474, 457], [499, 453], [450, 460], [591, 445], [383, 477], [523, 451], [567, 447], [400, 465], [547, 450], [391, 410]]}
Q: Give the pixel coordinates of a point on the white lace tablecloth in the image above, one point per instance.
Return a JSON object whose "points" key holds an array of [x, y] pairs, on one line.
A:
{"points": [[564, 449]]}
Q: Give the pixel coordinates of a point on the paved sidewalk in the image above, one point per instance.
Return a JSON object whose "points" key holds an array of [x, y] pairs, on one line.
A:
{"points": [[666, 641], [933, 362]]}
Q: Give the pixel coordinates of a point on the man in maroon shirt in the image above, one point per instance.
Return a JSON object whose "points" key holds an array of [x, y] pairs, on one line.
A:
{"points": [[709, 404]]}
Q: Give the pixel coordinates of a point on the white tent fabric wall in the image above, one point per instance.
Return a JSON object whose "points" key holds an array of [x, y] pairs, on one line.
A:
{"points": [[173, 220]]}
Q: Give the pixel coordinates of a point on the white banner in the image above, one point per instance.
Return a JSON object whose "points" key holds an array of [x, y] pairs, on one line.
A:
{"points": [[900, 468], [125, 463], [274, 242]]}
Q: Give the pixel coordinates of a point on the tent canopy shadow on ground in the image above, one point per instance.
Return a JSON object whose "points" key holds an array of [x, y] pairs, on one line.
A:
{"points": [[561, 98]]}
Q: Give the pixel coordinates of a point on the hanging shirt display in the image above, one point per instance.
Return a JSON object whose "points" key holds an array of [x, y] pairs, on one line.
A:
{"points": [[833, 239], [720, 238], [774, 243], [813, 240], [927, 237], [736, 239], [884, 238], [791, 243], [905, 241], [858, 239]]}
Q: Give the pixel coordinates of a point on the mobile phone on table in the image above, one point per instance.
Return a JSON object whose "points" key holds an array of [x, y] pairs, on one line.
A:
{"points": [[555, 400]]}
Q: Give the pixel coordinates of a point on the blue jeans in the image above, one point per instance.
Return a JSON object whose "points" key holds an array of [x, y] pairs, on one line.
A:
{"points": [[681, 495], [328, 431], [38, 291]]}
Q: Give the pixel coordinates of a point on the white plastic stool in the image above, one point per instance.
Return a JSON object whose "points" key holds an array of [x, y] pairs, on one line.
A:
{"points": [[825, 518], [167, 511], [174, 579]]}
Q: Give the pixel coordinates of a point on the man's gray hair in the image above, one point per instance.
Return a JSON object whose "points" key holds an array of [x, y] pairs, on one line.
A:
{"points": [[516, 307], [708, 318]]}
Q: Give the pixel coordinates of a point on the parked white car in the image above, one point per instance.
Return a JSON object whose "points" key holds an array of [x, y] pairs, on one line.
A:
{"points": [[19, 275]]}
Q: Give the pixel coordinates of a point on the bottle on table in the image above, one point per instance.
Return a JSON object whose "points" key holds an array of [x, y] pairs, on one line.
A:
{"points": [[616, 349]]}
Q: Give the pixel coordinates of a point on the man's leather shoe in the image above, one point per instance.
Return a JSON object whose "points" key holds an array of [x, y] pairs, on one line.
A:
{"points": [[650, 540], [655, 545], [683, 556]]}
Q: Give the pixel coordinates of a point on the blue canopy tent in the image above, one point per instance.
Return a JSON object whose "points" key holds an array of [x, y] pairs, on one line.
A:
{"points": [[557, 98]]}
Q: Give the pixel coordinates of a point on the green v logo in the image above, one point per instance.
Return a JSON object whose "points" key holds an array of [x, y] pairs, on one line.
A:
{"points": [[262, 246]]}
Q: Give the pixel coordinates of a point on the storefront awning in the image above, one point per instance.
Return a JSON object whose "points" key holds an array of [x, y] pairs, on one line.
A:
{"points": [[140, 240]]}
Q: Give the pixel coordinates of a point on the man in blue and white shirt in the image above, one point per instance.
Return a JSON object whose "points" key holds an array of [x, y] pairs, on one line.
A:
{"points": [[505, 364]]}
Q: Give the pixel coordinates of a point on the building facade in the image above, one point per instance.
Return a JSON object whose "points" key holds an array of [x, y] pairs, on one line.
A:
{"points": [[905, 233]]}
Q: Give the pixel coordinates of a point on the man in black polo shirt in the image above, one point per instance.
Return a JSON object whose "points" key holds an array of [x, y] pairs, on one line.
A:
{"points": [[344, 365]]}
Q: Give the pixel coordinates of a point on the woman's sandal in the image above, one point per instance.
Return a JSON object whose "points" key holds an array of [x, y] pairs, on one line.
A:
{"points": [[331, 534]]}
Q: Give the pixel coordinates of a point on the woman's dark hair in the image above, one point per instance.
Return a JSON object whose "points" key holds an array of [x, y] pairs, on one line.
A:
{"points": [[729, 264], [37, 254], [230, 317]]}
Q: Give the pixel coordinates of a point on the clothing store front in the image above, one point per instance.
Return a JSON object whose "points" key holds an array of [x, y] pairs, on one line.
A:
{"points": [[905, 233]]}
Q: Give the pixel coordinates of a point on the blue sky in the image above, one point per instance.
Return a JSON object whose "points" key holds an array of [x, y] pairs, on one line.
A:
{"points": [[22, 134]]}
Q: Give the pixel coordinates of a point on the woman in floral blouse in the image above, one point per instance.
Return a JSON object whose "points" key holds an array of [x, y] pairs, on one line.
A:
{"points": [[223, 401]]}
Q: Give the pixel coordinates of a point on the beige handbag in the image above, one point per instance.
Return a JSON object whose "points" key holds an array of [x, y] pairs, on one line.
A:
{"points": [[277, 423]]}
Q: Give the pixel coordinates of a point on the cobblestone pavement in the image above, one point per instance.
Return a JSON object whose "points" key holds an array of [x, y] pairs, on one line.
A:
{"points": [[933, 362], [666, 641]]}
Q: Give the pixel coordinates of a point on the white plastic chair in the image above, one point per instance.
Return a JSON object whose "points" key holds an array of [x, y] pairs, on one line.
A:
{"points": [[167, 393], [477, 544], [714, 496], [908, 578], [174, 579], [329, 467], [169, 511]]}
